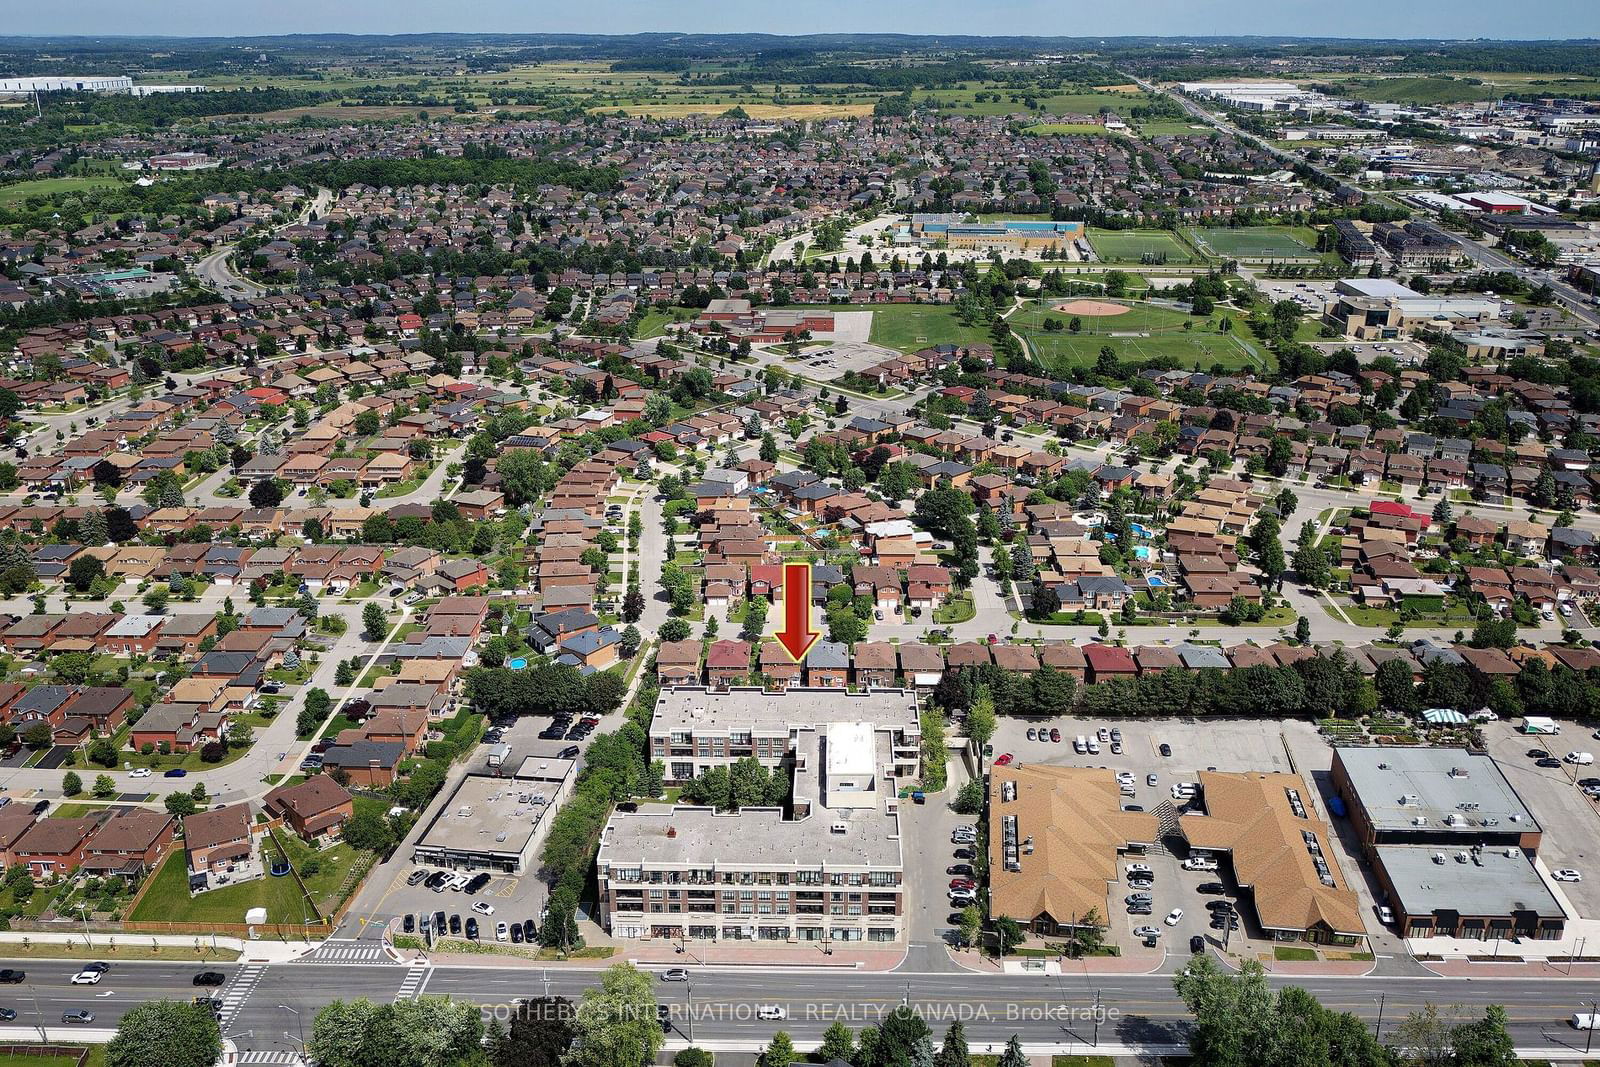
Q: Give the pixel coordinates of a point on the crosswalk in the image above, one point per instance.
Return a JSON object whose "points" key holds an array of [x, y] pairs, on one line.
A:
{"points": [[347, 952], [238, 991], [415, 981], [268, 1056]]}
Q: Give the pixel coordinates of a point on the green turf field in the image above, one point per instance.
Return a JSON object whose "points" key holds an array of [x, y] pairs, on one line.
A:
{"points": [[1130, 246], [1256, 242], [20, 191], [909, 327]]}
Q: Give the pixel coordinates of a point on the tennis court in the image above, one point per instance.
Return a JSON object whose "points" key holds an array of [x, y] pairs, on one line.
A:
{"points": [[1255, 242], [1133, 246]]}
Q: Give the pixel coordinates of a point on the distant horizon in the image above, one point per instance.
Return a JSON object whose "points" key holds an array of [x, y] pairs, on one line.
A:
{"points": [[1466, 20]]}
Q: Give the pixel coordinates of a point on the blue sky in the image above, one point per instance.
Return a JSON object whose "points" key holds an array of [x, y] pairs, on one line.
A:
{"points": [[1543, 19]]}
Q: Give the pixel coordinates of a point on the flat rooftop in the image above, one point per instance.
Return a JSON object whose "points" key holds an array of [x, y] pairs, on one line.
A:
{"points": [[492, 815], [1496, 884], [702, 711], [751, 839], [1452, 789]]}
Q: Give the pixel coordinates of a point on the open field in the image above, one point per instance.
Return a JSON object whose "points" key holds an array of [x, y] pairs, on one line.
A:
{"points": [[1259, 242], [20, 191], [1129, 246], [1063, 129], [1142, 333], [908, 327]]}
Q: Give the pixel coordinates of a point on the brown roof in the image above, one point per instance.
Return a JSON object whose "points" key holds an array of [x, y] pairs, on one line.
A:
{"points": [[1074, 816], [1249, 815], [14, 821], [875, 655], [206, 828], [131, 831], [309, 798], [55, 837]]}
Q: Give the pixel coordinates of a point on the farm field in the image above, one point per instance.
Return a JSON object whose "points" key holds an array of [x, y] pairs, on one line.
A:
{"points": [[1129, 246], [1259, 242]]}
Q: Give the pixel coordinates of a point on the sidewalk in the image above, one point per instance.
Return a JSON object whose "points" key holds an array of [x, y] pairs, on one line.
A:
{"points": [[1137, 963], [113, 945], [665, 954], [1512, 968]]}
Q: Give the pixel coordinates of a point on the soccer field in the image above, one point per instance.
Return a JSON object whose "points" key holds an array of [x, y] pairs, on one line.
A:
{"points": [[1131, 246], [1064, 351], [1255, 242]]}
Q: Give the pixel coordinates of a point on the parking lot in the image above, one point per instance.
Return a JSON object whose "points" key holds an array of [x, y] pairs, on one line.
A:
{"points": [[1570, 820], [928, 854], [1195, 745]]}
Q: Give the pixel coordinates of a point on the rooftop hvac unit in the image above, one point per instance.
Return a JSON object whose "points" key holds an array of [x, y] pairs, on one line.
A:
{"points": [[1459, 772], [1510, 852], [1462, 857], [1438, 857], [1409, 799], [1419, 821], [501, 836]]}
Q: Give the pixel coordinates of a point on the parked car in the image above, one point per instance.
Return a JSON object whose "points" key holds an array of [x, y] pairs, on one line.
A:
{"points": [[1033, 735], [1004, 759], [1566, 874], [176, 772], [1537, 753], [1146, 931], [1199, 863], [570, 752], [516, 933], [483, 907], [963, 869], [1055, 735], [417, 877], [502, 931], [455, 923], [1139, 868], [964, 854], [530, 932], [1165, 749], [1548, 761], [472, 928], [408, 925], [139, 772], [477, 883], [1210, 887], [1151, 779]]}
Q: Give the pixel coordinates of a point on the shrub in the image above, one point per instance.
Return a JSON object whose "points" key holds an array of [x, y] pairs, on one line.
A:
{"points": [[213, 752]]}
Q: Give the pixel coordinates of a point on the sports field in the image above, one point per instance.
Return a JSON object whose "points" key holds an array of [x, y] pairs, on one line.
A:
{"points": [[1142, 333], [1130, 246], [1256, 242]]}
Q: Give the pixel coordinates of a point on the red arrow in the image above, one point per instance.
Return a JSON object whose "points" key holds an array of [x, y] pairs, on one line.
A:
{"points": [[797, 636]]}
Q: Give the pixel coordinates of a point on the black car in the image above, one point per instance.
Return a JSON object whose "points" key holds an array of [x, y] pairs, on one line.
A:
{"points": [[455, 924], [439, 925], [472, 928], [1537, 753], [1219, 905], [576, 733], [11, 977], [963, 869], [437, 879], [1230, 922], [1548, 761], [664, 1016], [408, 925], [964, 853], [203, 1002], [478, 881], [1212, 888], [1197, 943], [1165, 749], [516, 933], [530, 932], [100, 967], [570, 752], [1133, 807], [1588, 783], [209, 978], [7, 1014]]}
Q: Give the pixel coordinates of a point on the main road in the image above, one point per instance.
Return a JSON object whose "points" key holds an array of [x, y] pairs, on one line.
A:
{"points": [[718, 1006]]}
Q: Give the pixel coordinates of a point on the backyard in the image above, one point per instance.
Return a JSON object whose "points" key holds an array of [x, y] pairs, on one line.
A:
{"points": [[168, 899]]}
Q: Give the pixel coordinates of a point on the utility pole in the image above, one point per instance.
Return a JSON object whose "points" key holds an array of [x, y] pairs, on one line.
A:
{"points": [[688, 1006], [1377, 1034], [1097, 1012], [1594, 1009]]}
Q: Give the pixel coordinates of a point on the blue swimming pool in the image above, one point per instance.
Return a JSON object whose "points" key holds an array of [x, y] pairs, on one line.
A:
{"points": [[517, 664], [1138, 531], [1143, 552], [1155, 581]]}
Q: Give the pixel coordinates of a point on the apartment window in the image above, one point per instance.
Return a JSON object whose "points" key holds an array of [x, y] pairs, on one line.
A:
{"points": [[658, 894], [853, 909], [883, 878], [739, 738], [681, 737], [880, 935], [682, 771]]}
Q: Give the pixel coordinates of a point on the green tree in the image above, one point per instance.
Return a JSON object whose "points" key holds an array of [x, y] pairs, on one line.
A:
{"points": [[180, 804], [167, 1033], [156, 600], [755, 619], [779, 1051], [838, 1043], [1009, 934], [428, 1032], [953, 1052], [1013, 1056], [71, 784], [616, 1023], [104, 786], [374, 622], [981, 719]]}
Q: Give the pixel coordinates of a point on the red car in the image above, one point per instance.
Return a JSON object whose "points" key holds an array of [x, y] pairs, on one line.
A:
{"points": [[963, 883], [1002, 760]]}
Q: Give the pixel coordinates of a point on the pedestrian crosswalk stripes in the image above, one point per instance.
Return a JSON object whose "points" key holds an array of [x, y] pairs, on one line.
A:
{"points": [[347, 952], [238, 991], [411, 988]]}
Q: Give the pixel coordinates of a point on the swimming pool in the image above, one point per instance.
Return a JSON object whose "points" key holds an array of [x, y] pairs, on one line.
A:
{"points": [[1143, 552], [517, 664], [1155, 581], [1138, 531]]}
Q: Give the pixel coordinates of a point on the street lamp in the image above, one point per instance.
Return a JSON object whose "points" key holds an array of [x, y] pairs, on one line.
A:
{"points": [[83, 910], [299, 1025]]}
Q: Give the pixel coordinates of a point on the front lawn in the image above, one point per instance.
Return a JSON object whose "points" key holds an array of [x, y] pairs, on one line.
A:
{"points": [[1282, 952], [959, 608]]}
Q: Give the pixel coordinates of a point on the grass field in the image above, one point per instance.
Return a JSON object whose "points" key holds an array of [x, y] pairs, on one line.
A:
{"points": [[96, 1058], [1258, 242], [20, 191], [1063, 129], [1127, 246], [1420, 90], [655, 323], [908, 327], [1165, 339]]}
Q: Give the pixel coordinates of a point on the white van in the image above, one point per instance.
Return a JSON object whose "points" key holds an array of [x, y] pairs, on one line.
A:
{"points": [[1585, 1021], [1581, 759], [1184, 790], [1079, 745]]}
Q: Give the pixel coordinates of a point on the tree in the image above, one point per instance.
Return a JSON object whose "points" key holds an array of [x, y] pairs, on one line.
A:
{"points": [[39, 735], [693, 1057], [616, 1023], [369, 831], [428, 1032], [779, 1051], [168, 1033], [632, 604], [266, 493], [1484, 1042], [1009, 934], [84, 571], [971, 925], [374, 622], [104, 786], [981, 719], [769, 448], [1302, 630], [1045, 601], [156, 600], [180, 804], [71, 784], [755, 619], [674, 630], [1013, 1056], [1311, 564], [838, 1043], [953, 1053]]}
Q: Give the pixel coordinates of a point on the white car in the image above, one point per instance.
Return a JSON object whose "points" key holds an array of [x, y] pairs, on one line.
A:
{"points": [[1151, 779], [87, 976], [1385, 915], [1125, 777], [501, 931], [772, 1011], [1146, 932], [1174, 917], [1565, 874], [139, 772], [483, 907]]}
